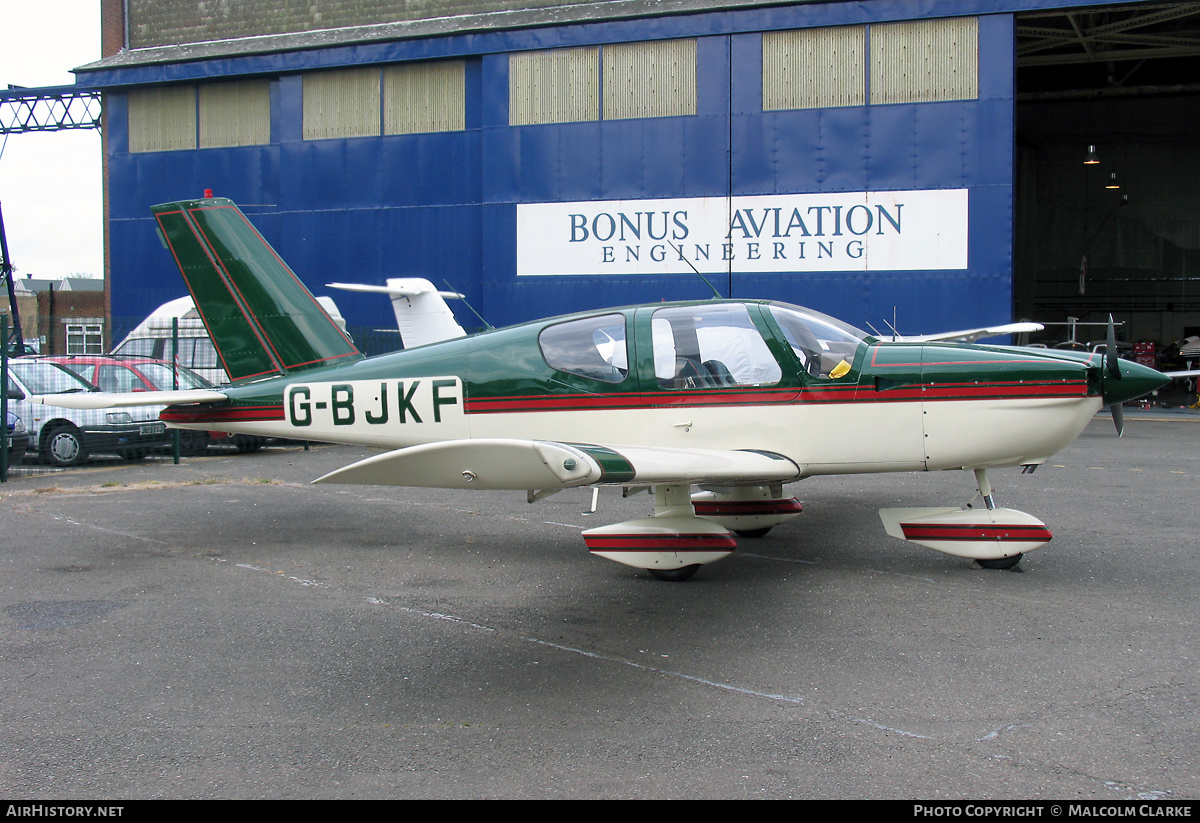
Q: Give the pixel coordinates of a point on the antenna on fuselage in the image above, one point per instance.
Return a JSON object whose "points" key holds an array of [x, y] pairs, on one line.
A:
{"points": [[716, 294], [892, 326], [485, 323]]}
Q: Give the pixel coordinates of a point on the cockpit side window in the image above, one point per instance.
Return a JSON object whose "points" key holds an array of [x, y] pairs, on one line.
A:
{"points": [[710, 347], [594, 347], [825, 346]]}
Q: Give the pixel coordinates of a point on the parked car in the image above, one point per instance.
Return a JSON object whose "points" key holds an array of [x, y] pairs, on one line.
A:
{"points": [[17, 436], [65, 437], [153, 337], [128, 373]]}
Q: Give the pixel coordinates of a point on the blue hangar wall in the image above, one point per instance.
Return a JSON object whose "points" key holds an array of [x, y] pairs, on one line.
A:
{"points": [[447, 205]]}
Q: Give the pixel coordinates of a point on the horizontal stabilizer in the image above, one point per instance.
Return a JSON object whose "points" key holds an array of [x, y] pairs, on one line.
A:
{"points": [[112, 400], [535, 464], [398, 287]]}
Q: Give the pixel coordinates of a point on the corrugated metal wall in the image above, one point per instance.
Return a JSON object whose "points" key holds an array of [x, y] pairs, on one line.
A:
{"points": [[925, 60], [652, 79], [424, 97], [235, 113], [162, 119], [814, 68], [554, 86], [340, 104]]}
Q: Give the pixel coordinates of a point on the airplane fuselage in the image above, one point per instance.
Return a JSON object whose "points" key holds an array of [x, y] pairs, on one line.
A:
{"points": [[894, 407]]}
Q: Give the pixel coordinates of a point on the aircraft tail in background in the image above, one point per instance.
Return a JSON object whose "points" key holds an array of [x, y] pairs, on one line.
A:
{"points": [[261, 318], [422, 315]]}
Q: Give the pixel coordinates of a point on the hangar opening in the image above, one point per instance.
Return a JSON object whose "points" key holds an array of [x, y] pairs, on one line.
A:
{"points": [[1107, 185]]}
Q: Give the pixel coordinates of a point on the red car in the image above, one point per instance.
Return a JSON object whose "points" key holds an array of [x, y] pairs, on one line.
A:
{"points": [[129, 373]]}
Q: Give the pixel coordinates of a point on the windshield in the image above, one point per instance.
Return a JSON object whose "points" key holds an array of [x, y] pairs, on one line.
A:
{"points": [[825, 345], [160, 375], [39, 377]]}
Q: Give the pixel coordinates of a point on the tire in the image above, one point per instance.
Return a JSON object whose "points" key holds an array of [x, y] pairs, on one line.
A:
{"points": [[675, 575], [62, 446], [752, 532], [1001, 562]]}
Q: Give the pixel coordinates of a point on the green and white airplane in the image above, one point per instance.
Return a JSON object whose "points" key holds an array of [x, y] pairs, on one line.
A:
{"points": [[735, 397]]}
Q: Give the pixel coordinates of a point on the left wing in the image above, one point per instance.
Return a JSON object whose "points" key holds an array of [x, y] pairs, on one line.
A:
{"points": [[539, 464], [110, 400]]}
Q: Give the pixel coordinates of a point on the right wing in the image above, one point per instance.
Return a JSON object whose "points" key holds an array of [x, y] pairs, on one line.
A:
{"points": [[112, 400], [539, 464], [971, 335]]}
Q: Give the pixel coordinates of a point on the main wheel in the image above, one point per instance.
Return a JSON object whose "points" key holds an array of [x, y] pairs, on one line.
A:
{"points": [[675, 575], [62, 446], [752, 532], [1001, 562]]}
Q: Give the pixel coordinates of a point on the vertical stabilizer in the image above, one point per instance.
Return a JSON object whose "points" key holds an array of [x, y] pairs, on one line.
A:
{"points": [[261, 318]]}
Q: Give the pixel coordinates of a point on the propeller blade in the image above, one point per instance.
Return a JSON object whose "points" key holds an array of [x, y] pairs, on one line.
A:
{"points": [[1110, 351], [1118, 413]]}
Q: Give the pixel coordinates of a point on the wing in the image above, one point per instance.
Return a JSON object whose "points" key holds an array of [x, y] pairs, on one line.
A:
{"points": [[537, 464], [971, 335], [110, 400]]}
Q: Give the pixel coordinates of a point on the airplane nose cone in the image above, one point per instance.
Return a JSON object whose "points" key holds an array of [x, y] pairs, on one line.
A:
{"points": [[1136, 381]]}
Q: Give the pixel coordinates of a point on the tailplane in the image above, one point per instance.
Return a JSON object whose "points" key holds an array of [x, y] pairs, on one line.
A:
{"points": [[422, 315], [261, 318]]}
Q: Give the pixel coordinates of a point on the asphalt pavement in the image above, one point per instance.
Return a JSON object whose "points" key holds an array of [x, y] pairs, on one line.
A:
{"points": [[225, 629]]}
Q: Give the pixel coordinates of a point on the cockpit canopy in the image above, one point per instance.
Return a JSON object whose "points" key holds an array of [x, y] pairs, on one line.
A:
{"points": [[703, 345]]}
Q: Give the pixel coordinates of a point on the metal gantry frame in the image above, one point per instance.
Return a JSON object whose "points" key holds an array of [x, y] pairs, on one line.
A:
{"points": [[50, 108]]}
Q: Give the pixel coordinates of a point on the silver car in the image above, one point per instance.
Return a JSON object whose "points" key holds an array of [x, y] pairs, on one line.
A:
{"points": [[65, 437]]}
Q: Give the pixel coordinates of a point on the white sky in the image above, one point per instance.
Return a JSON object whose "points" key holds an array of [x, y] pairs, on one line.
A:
{"points": [[50, 182]]}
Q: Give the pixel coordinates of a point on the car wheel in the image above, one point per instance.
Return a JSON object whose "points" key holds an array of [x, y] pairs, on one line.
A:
{"points": [[62, 446]]}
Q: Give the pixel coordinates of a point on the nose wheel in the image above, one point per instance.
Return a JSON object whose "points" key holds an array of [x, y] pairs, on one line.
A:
{"points": [[996, 538]]}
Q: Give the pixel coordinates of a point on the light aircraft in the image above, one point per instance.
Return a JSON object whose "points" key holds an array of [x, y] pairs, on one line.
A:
{"points": [[736, 397]]}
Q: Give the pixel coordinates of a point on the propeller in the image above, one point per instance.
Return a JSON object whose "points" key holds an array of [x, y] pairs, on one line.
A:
{"points": [[1110, 350], [1111, 362]]}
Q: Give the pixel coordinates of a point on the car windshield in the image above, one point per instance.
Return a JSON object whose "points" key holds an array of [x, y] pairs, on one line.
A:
{"points": [[40, 377], [160, 375]]}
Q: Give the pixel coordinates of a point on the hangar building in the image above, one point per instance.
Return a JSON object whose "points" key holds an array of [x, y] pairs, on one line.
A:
{"points": [[873, 160]]}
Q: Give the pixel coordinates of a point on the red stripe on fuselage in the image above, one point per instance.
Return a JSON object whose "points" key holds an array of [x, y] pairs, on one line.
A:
{"points": [[230, 414], [768, 397]]}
